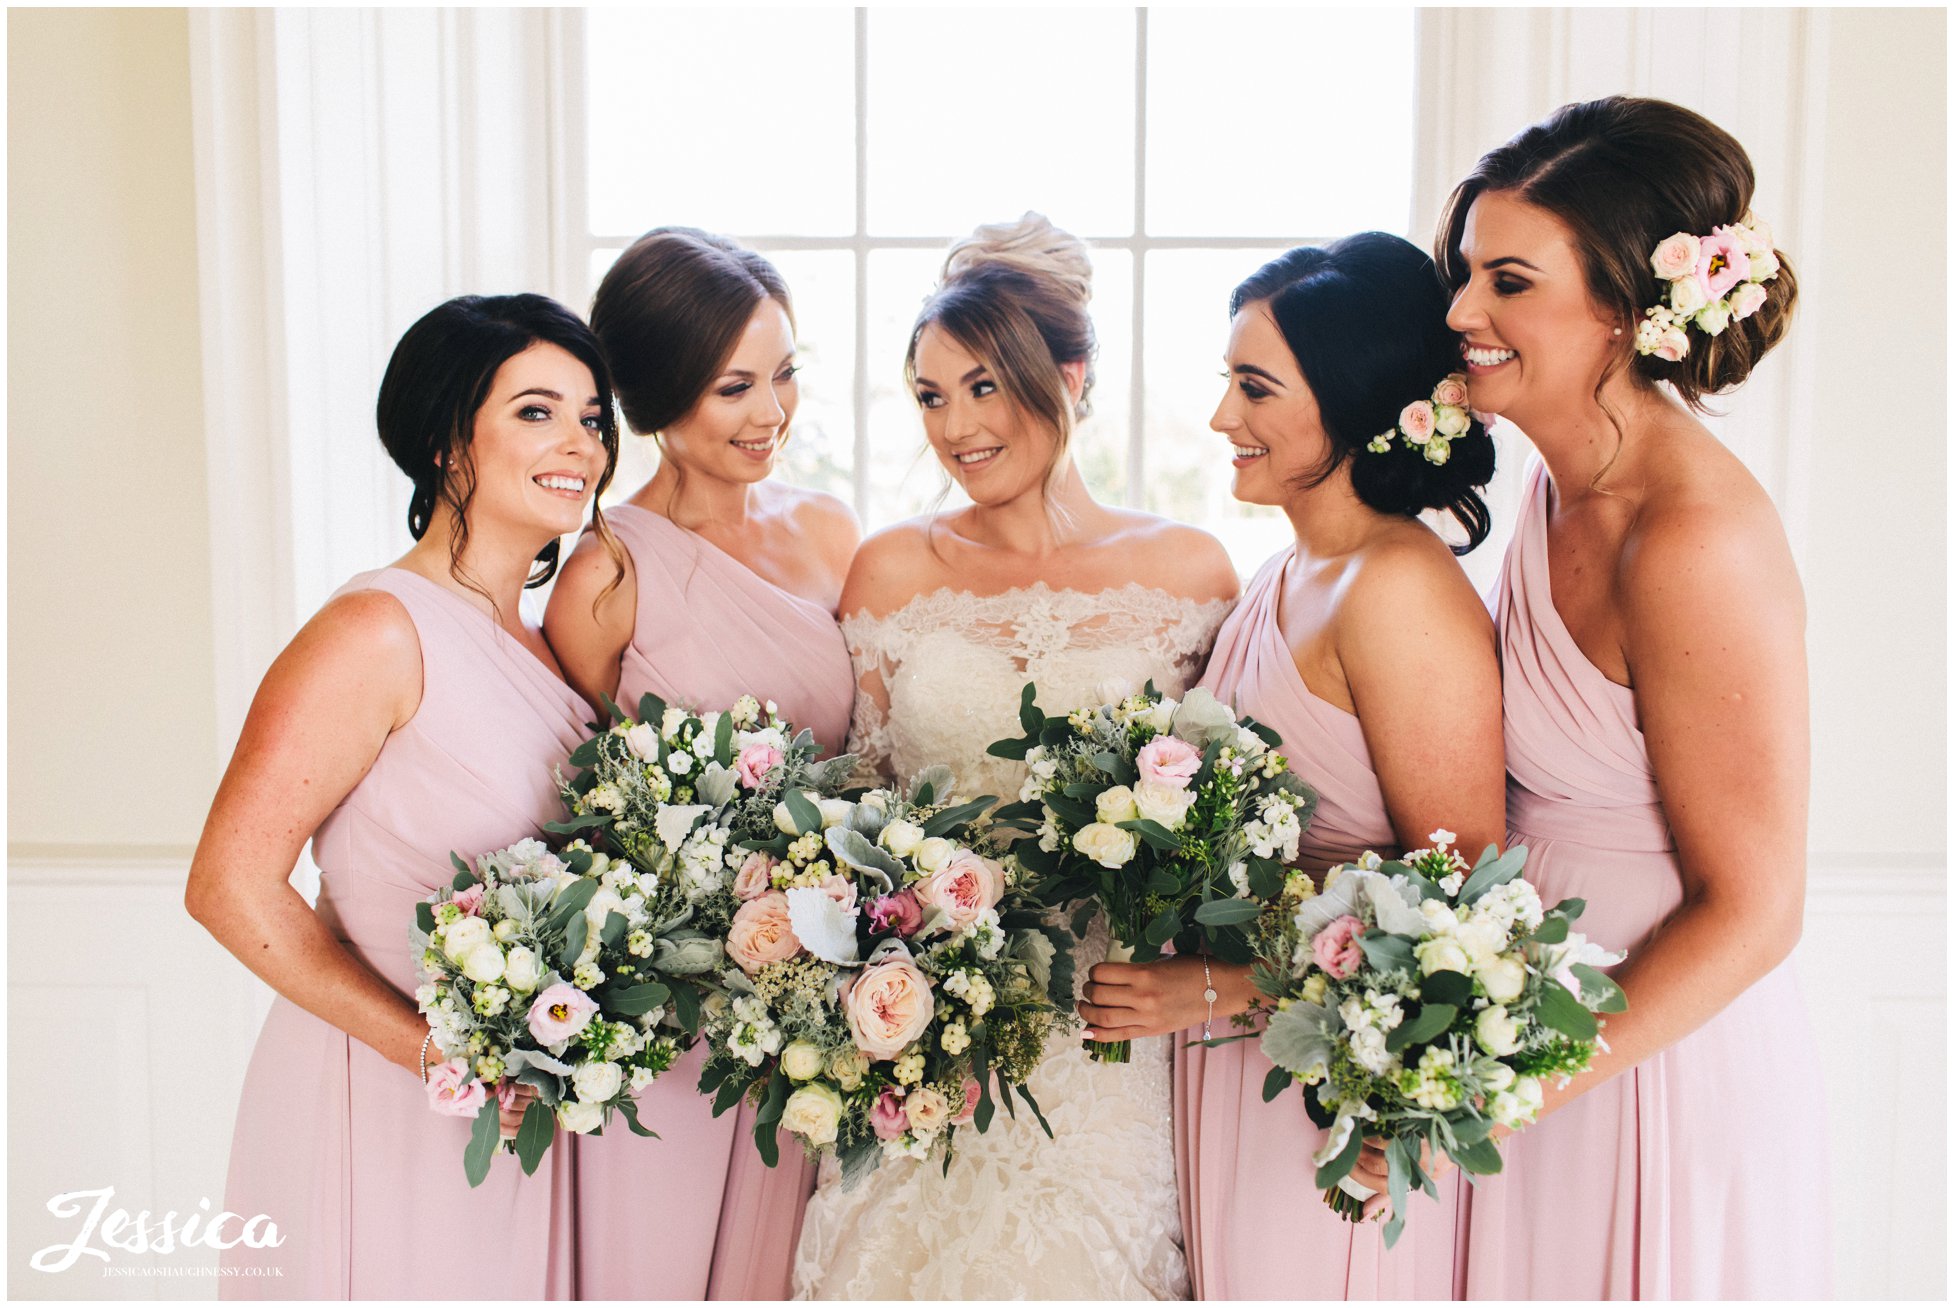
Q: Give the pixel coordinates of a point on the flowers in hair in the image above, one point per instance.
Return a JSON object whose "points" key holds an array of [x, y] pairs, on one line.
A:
{"points": [[1432, 424], [1712, 281]]}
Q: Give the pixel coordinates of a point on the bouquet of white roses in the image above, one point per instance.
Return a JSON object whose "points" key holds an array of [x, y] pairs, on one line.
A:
{"points": [[881, 976], [680, 795], [1423, 1001], [1168, 815], [518, 989]]}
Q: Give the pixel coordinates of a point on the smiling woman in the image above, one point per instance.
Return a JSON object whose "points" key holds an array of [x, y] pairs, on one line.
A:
{"points": [[416, 714]]}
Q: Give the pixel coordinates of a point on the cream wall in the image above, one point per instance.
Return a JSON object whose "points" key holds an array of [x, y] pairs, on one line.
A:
{"points": [[111, 738]]}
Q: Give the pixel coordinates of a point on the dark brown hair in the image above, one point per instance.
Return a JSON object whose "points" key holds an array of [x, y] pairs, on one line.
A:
{"points": [[1624, 174], [438, 379]]}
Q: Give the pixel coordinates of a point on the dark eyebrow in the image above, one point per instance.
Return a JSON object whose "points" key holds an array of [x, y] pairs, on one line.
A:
{"points": [[973, 375], [1263, 373], [538, 390], [1511, 258]]}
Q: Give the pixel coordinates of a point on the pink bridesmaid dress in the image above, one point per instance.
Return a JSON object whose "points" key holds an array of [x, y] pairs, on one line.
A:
{"points": [[1256, 1224], [697, 1214], [1700, 1173], [337, 1145]]}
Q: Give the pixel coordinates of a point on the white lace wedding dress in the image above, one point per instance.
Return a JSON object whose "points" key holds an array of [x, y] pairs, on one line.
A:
{"points": [[1093, 1212]]}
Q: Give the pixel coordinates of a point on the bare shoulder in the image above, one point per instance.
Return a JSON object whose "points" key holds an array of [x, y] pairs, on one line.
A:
{"points": [[893, 565], [1409, 581], [361, 647], [826, 521], [1706, 536], [1175, 556], [590, 576]]}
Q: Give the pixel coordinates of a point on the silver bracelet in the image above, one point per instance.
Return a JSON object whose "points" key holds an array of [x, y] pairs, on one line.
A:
{"points": [[1207, 978], [430, 1040]]}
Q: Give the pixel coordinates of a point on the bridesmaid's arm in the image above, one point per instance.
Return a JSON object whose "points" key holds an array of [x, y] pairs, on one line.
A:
{"points": [[347, 680], [592, 611], [1715, 640]]}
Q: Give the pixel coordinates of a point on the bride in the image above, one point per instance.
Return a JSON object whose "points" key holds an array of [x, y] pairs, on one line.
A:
{"points": [[947, 617]]}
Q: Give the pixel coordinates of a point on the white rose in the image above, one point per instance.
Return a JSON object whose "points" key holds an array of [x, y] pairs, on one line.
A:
{"points": [[507, 930], [1686, 296], [802, 1061], [784, 820], [1105, 845], [1673, 344], [484, 963], [602, 904], [834, 812], [814, 1113], [1159, 802], [522, 970], [1746, 300], [1764, 265], [1494, 1075], [1482, 939], [1117, 805], [1676, 257], [1498, 1034], [932, 854], [597, 1082], [1451, 421], [1442, 954], [1713, 317], [1505, 979], [642, 740], [465, 937], [901, 838], [579, 1118]]}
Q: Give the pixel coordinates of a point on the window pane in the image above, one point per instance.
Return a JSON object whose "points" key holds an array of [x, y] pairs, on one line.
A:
{"points": [[976, 115], [1187, 464], [734, 120], [1315, 142], [821, 451]]}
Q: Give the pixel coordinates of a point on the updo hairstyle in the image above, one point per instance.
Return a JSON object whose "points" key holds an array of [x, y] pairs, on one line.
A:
{"points": [[1364, 318], [1624, 174], [440, 376]]}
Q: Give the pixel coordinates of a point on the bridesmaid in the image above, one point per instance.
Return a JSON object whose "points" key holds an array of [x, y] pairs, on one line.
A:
{"points": [[1652, 629], [730, 584], [1365, 647], [417, 713]]}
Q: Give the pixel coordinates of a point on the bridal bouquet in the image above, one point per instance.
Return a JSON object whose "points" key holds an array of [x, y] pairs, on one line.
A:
{"points": [[881, 975], [521, 986], [678, 796], [1168, 815], [1422, 1001]]}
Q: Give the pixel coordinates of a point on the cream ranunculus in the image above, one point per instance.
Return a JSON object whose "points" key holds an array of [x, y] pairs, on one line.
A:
{"points": [[579, 1118], [1494, 1075], [813, 1112], [1504, 979], [1105, 844], [462, 938], [1442, 954], [597, 1082], [1518, 1106], [901, 838], [889, 1006], [484, 963], [1497, 1033], [933, 853], [522, 970], [1162, 803], [1117, 805], [802, 1061]]}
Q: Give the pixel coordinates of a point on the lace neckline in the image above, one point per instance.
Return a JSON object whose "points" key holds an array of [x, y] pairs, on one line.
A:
{"points": [[1132, 591]]}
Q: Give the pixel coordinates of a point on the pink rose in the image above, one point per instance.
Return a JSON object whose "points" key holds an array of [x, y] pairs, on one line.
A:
{"points": [[840, 889], [1673, 344], [755, 877], [964, 887], [446, 1093], [469, 901], [1170, 761], [559, 1013], [889, 1006], [1451, 391], [1747, 299], [1418, 421], [899, 913], [888, 1117], [762, 933], [927, 1108], [972, 1092], [1676, 257], [1336, 948], [1722, 263], [754, 762]]}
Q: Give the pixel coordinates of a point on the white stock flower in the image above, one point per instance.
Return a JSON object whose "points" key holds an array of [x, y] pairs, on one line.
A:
{"points": [[678, 763]]}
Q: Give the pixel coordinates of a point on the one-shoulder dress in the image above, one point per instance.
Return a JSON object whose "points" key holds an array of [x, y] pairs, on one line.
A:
{"points": [[334, 1143], [1699, 1173], [1257, 1227], [696, 1214]]}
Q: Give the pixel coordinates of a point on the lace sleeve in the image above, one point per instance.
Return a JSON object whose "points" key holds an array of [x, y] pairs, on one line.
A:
{"points": [[868, 725]]}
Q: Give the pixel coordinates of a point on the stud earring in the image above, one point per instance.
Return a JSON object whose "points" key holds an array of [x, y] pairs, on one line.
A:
{"points": [[1618, 331]]}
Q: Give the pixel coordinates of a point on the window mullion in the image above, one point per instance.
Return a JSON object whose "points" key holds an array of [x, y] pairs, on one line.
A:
{"points": [[1136, 438], [861, 469]]}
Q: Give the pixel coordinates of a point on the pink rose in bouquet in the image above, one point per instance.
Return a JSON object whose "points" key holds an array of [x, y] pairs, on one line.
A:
{"points": [[755, 762], [964, 887], [762, 933], [1170, 761], [889, 1006], [755, 877], [1336, 948]]}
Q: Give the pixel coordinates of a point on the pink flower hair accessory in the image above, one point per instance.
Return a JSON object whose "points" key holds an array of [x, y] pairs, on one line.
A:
{"points": [[1711, 281], [1431, 425]]}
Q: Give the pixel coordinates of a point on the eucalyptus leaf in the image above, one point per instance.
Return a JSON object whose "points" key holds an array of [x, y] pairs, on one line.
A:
{"points": [[1275, 1083], [1162, 928], [1598, 990], [482, 1140], [635, 1001], [1226, 912], [1565, 1013], [1432, 1019], [1497, 872], [804, 812], [534, 1135]]}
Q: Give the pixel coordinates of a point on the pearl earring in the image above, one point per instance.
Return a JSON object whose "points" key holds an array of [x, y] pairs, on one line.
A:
{"points": [[1618, 331]]}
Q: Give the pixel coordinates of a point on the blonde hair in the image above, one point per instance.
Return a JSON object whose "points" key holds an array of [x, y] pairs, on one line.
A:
{"points": [[1015, 295]]}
